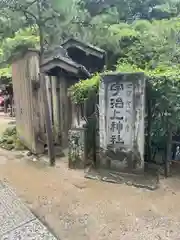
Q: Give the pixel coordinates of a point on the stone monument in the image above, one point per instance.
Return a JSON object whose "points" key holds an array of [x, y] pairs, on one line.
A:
{"points": [[121, 121]]}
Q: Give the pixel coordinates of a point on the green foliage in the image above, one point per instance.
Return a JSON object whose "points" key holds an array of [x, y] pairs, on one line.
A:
{"points": [[164, 88], [141, 35], [126, 9], [164, 83], [27, 38], [139, 41], [141, 26], [5, 72], [164, 80], [10, 22], [82, 90], [22, 39], [135, 39], [165, 11], [9, 140], [144, 43], [158, 45]]}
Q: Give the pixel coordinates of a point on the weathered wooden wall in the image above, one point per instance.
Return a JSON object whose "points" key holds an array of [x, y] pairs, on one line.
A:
{"points": [[29, 106], [28, 100], [65, 109], [53, 93]]}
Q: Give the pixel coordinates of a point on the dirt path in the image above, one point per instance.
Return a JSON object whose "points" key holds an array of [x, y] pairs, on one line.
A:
{"points": [[81, 209], [77, 208]]}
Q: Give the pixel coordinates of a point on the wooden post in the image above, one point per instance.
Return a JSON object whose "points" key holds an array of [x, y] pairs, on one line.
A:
{"points": [[49, 132], [149, 124], [94, 100], [131, 164], [168, 152], [55, 103]]}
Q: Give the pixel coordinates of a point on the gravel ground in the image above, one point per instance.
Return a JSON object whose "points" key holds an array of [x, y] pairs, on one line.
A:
{"points": [[76, 208]]}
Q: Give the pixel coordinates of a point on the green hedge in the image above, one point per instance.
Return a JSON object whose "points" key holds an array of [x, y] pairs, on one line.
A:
{"points": [[5, 72], [82, 90], [164, 87], [164, 80]]}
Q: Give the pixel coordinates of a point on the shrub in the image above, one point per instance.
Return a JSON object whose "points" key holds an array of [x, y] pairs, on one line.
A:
{"points": [[10, 140]]}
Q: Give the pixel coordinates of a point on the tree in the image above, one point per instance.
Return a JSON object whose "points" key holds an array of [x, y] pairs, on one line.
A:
{"points": [[38, 12], [129, 10], [19, 41], [59, 20], [10, 22]]}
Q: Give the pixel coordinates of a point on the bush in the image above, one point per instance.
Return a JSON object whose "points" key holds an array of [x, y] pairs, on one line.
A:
{"points": [[82, 90], [10, 140], [164, 86]]}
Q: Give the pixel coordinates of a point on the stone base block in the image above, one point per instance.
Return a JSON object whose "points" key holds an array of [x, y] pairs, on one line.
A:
{"points": [[118, 161], [77, 148]]}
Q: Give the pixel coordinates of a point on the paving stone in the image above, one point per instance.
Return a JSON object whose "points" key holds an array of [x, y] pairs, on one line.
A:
{"points": [[13, 213], [33, 230]]}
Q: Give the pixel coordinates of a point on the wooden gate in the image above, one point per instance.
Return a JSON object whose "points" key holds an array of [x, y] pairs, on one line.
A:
{"points": [[28, 101]]}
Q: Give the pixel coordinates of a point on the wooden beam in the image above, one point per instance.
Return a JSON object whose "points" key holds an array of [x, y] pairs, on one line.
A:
{"points": [[49, 131], [168, 152]]}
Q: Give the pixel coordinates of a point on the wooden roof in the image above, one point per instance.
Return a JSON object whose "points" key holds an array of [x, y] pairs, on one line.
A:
{"points": [[57, 58], [86, 47]]}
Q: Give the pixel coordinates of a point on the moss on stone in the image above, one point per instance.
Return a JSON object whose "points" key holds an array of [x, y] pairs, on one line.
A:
{"points": [[10, 140]]}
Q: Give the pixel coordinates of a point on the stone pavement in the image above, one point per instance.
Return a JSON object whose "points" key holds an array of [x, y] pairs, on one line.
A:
{"points": [[16, 220]]}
